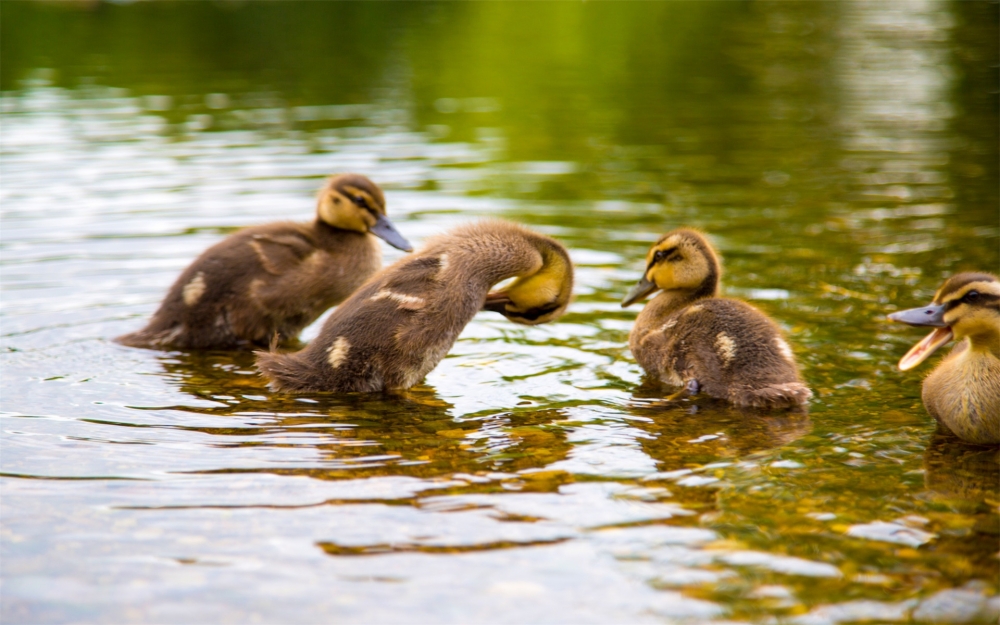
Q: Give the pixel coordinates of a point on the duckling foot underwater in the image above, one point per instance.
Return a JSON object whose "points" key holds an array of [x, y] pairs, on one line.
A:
{"points": [[688, 336], [963, 392], [275, 279], [402, 322]]}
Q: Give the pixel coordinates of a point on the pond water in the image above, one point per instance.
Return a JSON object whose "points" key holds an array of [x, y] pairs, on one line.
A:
{"points": [[843, 157]]}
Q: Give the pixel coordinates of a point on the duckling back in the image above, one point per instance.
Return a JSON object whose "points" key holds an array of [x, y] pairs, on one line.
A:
{"points": [[259, 283], [730, 348], [401, 323]]}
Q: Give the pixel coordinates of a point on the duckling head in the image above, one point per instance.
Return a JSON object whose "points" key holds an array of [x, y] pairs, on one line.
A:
{"points": [[539, 296], [353, 202], [966, 306], [682, 260]]}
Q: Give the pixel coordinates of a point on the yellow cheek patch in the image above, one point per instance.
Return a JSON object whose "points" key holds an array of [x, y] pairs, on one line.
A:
{"points": [[968, 321], [340, 212], [662, 275]]}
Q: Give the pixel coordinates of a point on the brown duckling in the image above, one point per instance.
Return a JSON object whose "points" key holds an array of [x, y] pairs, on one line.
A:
{"points": [[270, 281], [687, 336], [402, 322], [963, 392]]}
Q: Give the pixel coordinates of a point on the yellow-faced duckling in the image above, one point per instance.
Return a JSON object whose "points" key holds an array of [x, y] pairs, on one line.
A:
{"points": [[963, 392], [686, 336], [268, 282], [402, 322]]}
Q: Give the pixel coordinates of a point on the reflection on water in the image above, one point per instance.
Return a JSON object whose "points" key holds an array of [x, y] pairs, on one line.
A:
{"points": [[955, 469], [358, 435], [839, 155]]}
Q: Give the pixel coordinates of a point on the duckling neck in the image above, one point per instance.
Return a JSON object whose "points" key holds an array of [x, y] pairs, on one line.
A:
{"points": [[669, 302], [325, 230], [486, 260], [985, 343]]}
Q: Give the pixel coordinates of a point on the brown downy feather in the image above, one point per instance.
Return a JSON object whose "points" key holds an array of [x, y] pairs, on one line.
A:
{"points": [[687, 333], [403, 321], [274, 279]]}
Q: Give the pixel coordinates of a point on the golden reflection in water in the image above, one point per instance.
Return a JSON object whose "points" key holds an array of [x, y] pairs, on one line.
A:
{"points": [[956, 470], [963, 481], [693, 432]]}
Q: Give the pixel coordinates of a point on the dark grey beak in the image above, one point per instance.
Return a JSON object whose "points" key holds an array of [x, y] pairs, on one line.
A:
{"points": [[496, 302], [384, 230], [932, 315], [639, 291]]}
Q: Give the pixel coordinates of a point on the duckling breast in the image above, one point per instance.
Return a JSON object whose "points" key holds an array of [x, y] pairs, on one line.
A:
{"points": [[963, 395]]}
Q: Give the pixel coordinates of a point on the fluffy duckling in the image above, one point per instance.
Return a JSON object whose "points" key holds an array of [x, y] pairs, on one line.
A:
{"points": [[688, 337], [402, 322], [269, 282], [963, 392]]}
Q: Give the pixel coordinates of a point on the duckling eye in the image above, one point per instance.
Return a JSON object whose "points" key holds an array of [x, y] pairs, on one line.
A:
{"points": [[360, 201], [672, 255], [971, 296]]}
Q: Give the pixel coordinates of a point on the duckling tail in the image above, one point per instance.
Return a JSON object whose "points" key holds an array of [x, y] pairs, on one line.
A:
{"points": [[286, 373], [134, 339], [785, 395]]}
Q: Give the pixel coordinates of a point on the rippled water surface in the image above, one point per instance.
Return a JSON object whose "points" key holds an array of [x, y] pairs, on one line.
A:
{"points": [[842, 156]]}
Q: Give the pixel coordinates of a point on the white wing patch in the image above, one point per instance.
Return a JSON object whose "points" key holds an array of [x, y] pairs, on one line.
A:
{"points": [[194, 289], [726, 347], [409, 302], [785, 350], [669, 324], [170, 336], [338, 352]]}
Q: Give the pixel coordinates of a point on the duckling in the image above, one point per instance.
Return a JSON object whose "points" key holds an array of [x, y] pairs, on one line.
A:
{"points": [[963, 392], [402, 322], [271, 281], [687, 336]]}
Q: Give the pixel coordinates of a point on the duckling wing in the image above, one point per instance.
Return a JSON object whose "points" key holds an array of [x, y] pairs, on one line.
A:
{"points": [[281, 253]]}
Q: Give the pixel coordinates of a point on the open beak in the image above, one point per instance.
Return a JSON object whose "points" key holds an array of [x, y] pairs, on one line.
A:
{"points": [[932, 315], [639, 291], [496, 301], [384, 230]]}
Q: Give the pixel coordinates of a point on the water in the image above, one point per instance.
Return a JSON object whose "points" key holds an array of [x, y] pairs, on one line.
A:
{"points": [[842, 156]]}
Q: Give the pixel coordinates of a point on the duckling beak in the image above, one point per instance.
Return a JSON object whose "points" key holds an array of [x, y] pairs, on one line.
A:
{"points": [[639, 291], [497, 302], [932, 315], [384, 230]]}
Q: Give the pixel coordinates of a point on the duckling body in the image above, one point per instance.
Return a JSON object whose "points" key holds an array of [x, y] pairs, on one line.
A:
{"points": [[271, 281], [963, 392], [401, 323], [687, 336]]}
